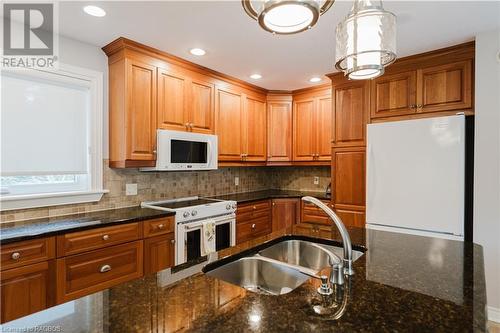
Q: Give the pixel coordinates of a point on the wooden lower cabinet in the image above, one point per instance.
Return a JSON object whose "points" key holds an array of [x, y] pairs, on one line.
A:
{"points": [[25, 290], [352, 218], [285, 212], [83, 274], [253, 219], [159, 253], [311, 213], [313, 230]]}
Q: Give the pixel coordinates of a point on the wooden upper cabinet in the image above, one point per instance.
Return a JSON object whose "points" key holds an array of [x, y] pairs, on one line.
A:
{"points": [[350, 113], [201, 106], [445, 87], [230, 117], [172, 101], [324, 128], [255, 130], [394, 95], [312, 126], [304, 147], [139, 118], [279, 130]]}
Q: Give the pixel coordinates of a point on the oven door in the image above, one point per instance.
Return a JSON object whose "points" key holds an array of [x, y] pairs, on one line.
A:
{"points": [[189, 237]]}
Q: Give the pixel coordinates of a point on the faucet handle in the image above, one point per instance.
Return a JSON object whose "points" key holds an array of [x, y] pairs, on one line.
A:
{"points": [[337, 274]]}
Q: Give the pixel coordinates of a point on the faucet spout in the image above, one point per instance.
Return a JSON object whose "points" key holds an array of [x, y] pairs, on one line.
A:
{"points": [[346, 239]]}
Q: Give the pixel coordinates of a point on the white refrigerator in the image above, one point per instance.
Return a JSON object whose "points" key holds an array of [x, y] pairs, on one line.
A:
{"points": [[416, 176]]}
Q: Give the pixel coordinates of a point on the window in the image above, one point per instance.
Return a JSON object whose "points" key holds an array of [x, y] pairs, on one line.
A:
{"points": [[51, 124]]}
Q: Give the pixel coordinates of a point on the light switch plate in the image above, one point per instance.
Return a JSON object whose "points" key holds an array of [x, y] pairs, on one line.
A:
{"points": [[236, 181], [131, 189], [316, 181]]}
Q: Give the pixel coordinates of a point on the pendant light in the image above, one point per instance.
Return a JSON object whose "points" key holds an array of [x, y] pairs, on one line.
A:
{"points": [[366, 41], [286, 16]]}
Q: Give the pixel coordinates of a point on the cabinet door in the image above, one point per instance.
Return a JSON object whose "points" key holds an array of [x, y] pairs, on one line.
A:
{"points": [[24, 290], [229, 125], [286, 213], [141, 111], [323, 128], [279, 125], [348, 178], [350, 113], [255, 130], [172, 90], [201, 106], [352, 218], [446, 87], [394, 95], [159, 253], [304, 137]]}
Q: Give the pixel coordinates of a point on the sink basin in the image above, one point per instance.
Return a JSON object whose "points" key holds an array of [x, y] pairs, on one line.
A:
{"points": [[304, 253], [261, 276]]}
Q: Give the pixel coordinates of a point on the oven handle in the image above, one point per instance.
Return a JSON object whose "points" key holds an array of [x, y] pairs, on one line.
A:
{"points": [[197, 225]]}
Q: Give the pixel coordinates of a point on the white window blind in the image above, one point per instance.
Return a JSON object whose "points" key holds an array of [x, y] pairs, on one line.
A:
{"points": [[44, 124]]}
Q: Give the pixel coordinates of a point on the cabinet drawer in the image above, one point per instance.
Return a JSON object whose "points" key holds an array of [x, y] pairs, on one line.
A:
{"points": [[313, 214], [159, 226], [253, 210], [27, 252], [82, 241], [87, 273], [251, 229]]}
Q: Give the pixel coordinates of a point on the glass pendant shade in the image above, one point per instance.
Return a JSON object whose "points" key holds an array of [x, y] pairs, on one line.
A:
{"points": [[286, 16], [366, 41]]}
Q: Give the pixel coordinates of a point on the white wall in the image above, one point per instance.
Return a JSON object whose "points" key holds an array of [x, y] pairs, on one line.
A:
{"points": [[75, 53], [487, 163]]}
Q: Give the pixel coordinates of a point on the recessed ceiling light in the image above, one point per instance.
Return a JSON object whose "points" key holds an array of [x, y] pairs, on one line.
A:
{"points": [[256, 76], [94, 11], [197, 52], [315, 79]]}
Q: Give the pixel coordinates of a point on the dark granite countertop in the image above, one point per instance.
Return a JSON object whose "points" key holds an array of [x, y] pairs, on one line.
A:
{"points": [[402, 283], [271, 194], [27, 229]]}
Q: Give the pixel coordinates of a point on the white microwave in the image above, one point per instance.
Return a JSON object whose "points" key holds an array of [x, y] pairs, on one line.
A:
{"points": [[184, 151]]}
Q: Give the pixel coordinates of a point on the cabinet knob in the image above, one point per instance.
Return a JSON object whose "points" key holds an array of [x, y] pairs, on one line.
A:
{"points": [[15, 255], [161, 226], [172, 241], [105, 237], [413, 106], [254, 207], [187, 125], [105, 268], [253, 226], [419, 106]]}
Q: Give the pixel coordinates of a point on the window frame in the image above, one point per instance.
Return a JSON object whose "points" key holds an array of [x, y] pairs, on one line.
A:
{"points": [[95, 190]]}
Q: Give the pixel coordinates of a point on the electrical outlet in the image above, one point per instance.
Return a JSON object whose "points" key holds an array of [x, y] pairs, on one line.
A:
{"points": [[131, 189], [236, 181], [316, 181]]}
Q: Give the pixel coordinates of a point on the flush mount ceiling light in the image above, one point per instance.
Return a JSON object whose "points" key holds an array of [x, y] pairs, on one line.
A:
{"points": [[315, 79], [286, 16], [366, 41], [197, 51], [94, 11], [256, 76]]}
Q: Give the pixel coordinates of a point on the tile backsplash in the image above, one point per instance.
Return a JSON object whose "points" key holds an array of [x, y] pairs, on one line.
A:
{"points": [[167, 185]]}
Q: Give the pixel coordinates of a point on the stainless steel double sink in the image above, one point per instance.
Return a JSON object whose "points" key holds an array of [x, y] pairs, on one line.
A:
{"points": [[276, 276]]}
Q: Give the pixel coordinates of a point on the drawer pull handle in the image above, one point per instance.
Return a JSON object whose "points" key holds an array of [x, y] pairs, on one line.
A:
{"points": [[161, 226], [15, 255], [253, 226], [105, 237], [105, 268]]}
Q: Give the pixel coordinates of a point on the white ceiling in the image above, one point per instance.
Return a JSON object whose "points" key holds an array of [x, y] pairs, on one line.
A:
{"points": [[237, 46]]}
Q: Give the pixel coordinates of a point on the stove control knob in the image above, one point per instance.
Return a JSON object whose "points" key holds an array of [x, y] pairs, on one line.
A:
{"points": [[234, 206], [186, 214], [194, 213], [228, 206]]}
